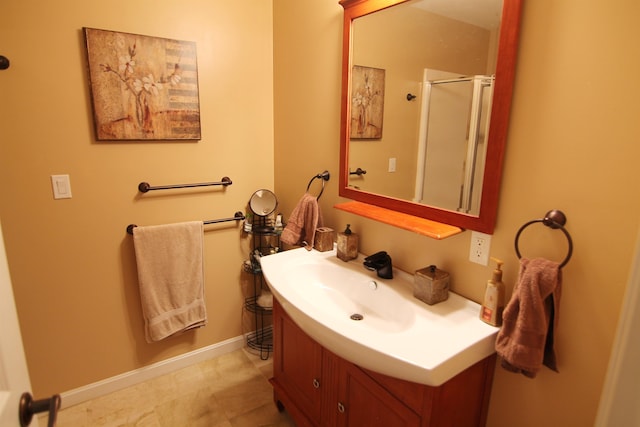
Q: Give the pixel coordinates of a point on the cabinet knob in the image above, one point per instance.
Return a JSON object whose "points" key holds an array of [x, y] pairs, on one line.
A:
{"points": [[340, 407], [316, 383]]}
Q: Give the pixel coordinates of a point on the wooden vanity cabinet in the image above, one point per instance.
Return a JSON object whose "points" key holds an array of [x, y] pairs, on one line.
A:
{"points": [[297, 369], [318, 388], [364, 402]]}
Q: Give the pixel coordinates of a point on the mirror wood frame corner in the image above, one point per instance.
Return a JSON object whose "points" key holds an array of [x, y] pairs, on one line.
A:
{"points": [[501, 105]]}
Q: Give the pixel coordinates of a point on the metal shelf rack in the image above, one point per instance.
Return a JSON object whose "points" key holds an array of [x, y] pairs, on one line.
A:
{"points": [[266, 240]]}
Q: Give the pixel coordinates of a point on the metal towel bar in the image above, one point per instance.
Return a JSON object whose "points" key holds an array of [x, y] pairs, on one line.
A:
{"points": [[358, 172], [238, 216], [143, 187]]}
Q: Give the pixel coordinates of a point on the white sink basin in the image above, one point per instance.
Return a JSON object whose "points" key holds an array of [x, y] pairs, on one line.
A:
{"points": [[398, 335]]}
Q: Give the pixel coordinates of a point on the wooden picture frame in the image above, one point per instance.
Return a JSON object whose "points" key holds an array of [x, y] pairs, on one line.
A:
{"points": [[142, 87], [367, 102]]}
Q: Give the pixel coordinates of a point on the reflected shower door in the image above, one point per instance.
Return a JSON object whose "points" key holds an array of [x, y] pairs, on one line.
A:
{"points": [[454, 123]]}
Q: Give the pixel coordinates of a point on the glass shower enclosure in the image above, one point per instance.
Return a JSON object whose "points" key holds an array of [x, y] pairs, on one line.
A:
{"points": [[454, 125]]}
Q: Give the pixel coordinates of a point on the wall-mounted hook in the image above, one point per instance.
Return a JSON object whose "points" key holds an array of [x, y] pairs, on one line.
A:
{"points": [[410, 97], [4, 62]]}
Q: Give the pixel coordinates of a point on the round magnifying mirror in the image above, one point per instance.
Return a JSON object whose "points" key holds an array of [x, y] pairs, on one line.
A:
{"points": [[263, 202]]}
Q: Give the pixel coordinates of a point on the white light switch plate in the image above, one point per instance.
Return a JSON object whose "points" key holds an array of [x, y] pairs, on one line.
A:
{"points": [[392, 164], [61, 186]]}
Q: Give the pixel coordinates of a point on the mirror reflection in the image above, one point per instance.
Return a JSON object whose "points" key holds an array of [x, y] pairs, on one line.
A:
{"points": [[421, 94]]}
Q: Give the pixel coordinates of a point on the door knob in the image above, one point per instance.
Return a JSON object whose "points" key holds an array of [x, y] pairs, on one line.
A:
{"points": [[29, 407]]}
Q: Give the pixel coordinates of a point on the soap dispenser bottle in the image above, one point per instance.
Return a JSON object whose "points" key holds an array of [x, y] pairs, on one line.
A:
{"points": [[493, 304], [347, 244]]}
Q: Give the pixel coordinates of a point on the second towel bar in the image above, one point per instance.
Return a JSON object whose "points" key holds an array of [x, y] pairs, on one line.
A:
{"points": [[238, 216]]}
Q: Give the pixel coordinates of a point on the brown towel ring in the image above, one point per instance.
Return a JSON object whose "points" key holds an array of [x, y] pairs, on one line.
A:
{"points": [[554, 219], [324, 176]]}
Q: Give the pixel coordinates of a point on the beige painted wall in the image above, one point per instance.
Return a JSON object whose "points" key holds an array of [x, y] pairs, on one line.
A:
{"points": [[72, 264], [572, 146]]}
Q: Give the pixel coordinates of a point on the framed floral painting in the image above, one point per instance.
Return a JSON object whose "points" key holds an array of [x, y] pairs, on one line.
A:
{"points": [[367, 102], [142, 88]]}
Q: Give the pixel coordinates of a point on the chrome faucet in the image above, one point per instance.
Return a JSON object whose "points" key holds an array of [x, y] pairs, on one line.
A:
{"points": [[381, 263]]}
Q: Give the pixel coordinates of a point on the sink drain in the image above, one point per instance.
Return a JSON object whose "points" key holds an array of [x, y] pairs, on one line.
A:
{"points": [[357, 316]]}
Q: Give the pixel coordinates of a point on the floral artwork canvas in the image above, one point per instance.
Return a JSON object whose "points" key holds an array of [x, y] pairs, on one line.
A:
{"points": [[367, 102], [143, 88]]}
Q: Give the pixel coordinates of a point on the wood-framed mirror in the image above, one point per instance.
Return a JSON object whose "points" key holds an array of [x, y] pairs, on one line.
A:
{"points": [[400, 88]]}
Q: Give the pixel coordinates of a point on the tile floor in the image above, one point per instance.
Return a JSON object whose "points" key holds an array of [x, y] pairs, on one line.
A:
{"points": [[231, 390]]}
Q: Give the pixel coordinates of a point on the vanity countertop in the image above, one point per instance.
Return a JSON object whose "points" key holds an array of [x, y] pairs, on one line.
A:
{"points": [[397, 335]]}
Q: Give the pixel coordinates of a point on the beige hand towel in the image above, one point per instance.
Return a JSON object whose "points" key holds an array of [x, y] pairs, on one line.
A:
{"points": [[305, 218], [171, 277], [525, 341]]}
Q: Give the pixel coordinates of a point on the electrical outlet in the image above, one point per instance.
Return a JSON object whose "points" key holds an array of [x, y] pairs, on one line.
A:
{"points": [[480, 247]]}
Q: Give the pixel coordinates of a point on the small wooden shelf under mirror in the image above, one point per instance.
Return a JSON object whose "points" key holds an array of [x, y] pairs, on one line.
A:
{"points": [[425, 227]]}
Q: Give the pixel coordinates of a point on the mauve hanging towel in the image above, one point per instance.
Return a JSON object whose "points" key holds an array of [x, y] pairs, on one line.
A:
{"points": [[526, 340], [305, 218]]}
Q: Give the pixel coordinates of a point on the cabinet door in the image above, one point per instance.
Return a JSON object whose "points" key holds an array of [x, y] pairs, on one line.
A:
{"points": [[363, 402], [297, 368]]}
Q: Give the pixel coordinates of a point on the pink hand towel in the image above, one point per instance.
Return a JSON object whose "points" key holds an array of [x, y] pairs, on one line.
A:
{"points": [[525, 341], [305, 218]]}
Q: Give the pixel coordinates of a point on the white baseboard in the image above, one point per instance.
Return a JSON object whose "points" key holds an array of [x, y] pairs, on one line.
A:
{"points": [[127, 379]]}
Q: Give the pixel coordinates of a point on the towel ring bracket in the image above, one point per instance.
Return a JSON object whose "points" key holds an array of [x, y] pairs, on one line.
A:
{"points": [[553, 219], [324, 176]]}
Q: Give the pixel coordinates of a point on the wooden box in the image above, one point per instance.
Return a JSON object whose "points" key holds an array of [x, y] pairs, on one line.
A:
{"points": [[323, 240]]}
